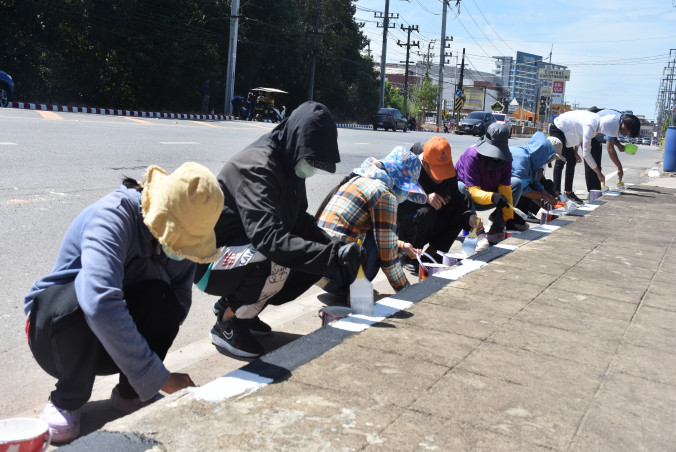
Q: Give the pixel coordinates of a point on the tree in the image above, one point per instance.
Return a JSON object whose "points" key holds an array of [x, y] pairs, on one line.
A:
{"points": [[424, 97], [155, 54], [393, 97]]}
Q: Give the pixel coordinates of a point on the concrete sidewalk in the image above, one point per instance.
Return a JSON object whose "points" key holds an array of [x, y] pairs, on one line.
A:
{"points": [[560, 338]]}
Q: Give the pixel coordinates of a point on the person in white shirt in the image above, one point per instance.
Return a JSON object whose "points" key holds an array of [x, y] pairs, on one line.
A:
{"points": [[612, 143], [578, 128]]}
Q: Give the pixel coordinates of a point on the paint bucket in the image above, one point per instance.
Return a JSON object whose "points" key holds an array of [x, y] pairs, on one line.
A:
{"points": [[426, 270], [547, 217], [24, 435], [594, 195], [447, 259], [330, 314]]}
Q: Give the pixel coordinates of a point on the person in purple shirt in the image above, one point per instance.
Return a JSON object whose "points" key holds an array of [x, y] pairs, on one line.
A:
{"points": [[485, 174], [120, 287]]}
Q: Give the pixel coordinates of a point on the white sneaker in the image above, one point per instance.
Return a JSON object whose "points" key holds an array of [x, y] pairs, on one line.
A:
{"points": [[64, 424]]}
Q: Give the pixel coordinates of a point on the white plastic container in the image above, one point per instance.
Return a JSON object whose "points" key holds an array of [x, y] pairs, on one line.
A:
{"points": [[361, 295]]}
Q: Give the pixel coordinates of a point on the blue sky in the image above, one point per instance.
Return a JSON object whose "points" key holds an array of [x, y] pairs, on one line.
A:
{"points": [[616, 50]]}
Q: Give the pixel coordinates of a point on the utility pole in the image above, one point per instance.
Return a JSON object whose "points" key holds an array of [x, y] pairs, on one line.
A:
{"points": [[408, 45], [442, 59], [427, 58], [383, 58], [315, 43], [232, 57]]}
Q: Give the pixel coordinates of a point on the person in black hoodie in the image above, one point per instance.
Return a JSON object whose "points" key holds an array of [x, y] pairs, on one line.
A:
{"points": [[265, 230], [438, 222]]}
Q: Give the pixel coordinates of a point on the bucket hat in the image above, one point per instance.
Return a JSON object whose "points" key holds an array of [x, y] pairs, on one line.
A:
{"points": [[403, 167], [181, 210], [495, 143]]}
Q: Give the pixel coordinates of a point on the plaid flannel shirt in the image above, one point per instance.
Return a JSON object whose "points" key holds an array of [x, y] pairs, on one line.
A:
{"points": [[359, 205]]}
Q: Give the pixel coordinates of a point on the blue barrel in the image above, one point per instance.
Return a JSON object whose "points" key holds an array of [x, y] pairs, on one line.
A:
{"points": [[670, 150]]}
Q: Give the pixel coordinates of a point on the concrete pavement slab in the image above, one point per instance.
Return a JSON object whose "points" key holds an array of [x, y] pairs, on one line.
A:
{"points": [[621, 310], [414, 430], [656, 318], [628, 413], [577, 357], [556, 342], [530, 414], [646, 362], [603, 328]]}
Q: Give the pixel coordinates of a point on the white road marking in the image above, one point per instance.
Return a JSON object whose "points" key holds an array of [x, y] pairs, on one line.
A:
{"points": [[179, 142]]}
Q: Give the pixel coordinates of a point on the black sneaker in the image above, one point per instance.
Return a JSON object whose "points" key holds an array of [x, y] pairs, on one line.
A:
{"points": [[257, 327], [572, 196], [234, 336]]}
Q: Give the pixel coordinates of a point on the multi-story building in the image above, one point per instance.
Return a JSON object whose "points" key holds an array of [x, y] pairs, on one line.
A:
{"points": [[521, 77]]}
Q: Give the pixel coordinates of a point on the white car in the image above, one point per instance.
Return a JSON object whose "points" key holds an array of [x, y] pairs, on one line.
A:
{"points": [[502, 118]]}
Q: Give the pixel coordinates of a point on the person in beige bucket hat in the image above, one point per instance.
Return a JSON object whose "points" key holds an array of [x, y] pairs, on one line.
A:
{"points": [[120, 287], [181, 210]]}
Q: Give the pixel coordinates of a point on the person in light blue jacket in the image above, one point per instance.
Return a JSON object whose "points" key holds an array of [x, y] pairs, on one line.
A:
{"points": [[530, 159], [120, 288]]}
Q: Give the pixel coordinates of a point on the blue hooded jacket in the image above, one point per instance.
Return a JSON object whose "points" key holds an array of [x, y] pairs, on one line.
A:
{"points": [[529, 159]]}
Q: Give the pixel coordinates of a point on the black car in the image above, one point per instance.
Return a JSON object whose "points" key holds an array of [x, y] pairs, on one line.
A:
{"points": [[389, 118], [476, 123]]}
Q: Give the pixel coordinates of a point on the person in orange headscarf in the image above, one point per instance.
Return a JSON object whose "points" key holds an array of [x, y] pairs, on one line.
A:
{"points": [[448, 210]]}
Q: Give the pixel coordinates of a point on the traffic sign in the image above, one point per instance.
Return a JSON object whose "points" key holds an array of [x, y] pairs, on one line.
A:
{"points": [[497, 106], [458, 92], [458, 104], [443, 112]]}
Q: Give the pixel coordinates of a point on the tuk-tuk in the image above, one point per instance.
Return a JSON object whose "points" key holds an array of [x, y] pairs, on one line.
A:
{"points": [[264, 104]]}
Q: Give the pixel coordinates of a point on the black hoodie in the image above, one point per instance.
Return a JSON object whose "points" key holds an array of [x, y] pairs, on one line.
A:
{"points": [[266, 203]]}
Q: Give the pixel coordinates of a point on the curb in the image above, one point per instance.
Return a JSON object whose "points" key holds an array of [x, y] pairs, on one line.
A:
{"points": [[116, 112], [152, 114], [277, 364]]}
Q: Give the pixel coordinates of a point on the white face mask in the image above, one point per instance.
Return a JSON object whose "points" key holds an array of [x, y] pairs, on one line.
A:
{"points": [[304, 170]]}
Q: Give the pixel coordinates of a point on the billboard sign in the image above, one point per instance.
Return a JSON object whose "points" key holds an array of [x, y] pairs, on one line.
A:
{"points": [[557, 91], [475, 98], [554, 74]]}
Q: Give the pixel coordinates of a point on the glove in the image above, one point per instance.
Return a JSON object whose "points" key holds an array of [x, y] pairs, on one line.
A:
{"points": [[499, 201], [350, 258]]}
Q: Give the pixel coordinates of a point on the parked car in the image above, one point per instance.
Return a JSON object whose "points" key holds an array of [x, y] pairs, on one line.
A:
{"points": [[646, 141], [475, 123], [502, 118], [6, 89], [389, 118]]}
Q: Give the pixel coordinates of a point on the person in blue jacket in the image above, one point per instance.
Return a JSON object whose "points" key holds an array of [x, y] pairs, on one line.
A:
{"points": [[120, 287], [529, 159]]}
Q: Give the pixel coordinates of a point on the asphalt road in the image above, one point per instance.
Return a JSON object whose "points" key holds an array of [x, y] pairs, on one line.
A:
{"points": [[55, 164]]}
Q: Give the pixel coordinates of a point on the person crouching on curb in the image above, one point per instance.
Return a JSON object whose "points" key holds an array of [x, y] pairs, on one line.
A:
{"points": [[364, 207], [266, 231], [447, 211], [120, 288], [485, 172], [527, 163]]}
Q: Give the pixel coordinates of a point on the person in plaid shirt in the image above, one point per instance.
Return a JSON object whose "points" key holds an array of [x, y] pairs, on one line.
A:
{"points": [[364, 207]]}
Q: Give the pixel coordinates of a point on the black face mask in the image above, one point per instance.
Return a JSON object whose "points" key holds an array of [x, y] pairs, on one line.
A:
{"points": [[490, 164]]}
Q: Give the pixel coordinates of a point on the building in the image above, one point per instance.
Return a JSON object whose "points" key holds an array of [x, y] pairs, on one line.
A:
{"points": [[521, 77]]}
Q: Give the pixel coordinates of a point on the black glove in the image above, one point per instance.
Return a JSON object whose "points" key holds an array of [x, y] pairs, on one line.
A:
{"points": [[499, 201], [350, 258]]}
